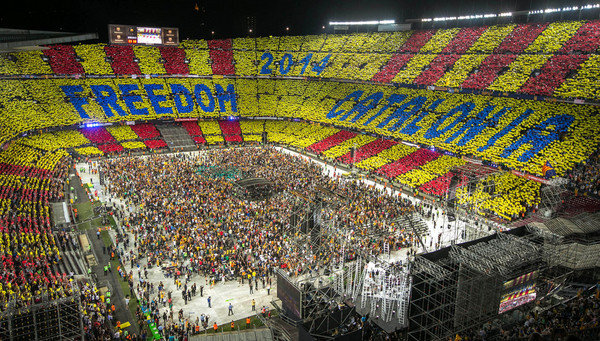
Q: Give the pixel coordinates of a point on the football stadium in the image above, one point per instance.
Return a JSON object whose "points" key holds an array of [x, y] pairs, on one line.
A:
{"points": [[417, 179]]}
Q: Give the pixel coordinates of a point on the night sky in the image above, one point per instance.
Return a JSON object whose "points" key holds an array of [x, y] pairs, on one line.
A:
{"points": [[227, 18]]}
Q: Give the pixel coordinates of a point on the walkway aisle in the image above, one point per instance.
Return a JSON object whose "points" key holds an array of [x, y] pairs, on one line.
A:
{"points": [[111, 279]]}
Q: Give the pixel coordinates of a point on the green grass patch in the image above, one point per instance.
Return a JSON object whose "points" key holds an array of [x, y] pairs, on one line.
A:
{"points": [[240, 325], [84, 226], [84, 210]]}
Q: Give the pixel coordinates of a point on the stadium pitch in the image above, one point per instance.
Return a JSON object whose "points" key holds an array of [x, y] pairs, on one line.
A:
{"points": [[226, 293]]}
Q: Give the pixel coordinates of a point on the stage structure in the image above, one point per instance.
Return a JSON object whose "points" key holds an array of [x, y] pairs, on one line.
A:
{"points": [[59, 319], [255, 188], [551, 199], [432, 297], [334, 289], [574, 240], [463, 286], [378, 289]]}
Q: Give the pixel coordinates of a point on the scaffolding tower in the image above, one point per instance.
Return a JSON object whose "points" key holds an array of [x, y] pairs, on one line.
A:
{"points": [[462, 289], [59, 319], [551, 200], [472, 178]]}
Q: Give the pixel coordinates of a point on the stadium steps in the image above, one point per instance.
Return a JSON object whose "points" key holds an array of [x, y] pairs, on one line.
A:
{"points": [[282, 330], [250, 335], [71, 261], [176, 136], [418, 225], [75, 262]]}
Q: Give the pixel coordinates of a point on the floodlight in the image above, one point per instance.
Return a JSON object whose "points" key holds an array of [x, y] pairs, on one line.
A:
{"points": [[368, 22]]}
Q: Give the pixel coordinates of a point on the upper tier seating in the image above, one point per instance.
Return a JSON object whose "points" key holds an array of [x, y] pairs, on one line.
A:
{"points": [[502, 57]]}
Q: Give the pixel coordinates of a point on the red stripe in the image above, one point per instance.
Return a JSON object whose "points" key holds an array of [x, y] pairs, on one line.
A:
{"points": [[122, 60], [464, 39], [230, 127], [437, 186], [586, 39], [392, 68], [416, 41], [110, 147], [437, 68], [154, 144], [97, 134], [367, 150], [174, 60], [488, 71], [192, 128], [62, 60], [553, 74], [10, 169], [145, 130], [408, 163], [521, 37], [331, 141], [221, 55]]}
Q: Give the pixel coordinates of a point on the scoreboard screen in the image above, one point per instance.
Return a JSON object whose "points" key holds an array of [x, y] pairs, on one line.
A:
{"points": [[126, 34]]}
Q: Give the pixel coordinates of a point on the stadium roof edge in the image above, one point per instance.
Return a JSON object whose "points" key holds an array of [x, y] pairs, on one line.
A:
{"points": [[14, 40]]}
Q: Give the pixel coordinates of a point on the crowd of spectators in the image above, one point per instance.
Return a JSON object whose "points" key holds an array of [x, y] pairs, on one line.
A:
{"points": [[421, 57], [585, 177], [29, 180], [484, 138], [397, 162], [201, 228], [576, 319]]}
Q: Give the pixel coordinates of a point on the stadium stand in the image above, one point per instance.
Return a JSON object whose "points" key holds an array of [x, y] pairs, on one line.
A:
{"points": [[503, 57], [29, 179], [548, 59], [362, 100]]}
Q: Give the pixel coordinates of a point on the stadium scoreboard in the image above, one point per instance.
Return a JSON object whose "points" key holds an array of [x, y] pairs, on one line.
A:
{"points": [[126, 34]]}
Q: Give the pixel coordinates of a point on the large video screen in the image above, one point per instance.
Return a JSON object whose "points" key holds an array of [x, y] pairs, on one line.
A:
{"points": [[127, 34], [290, 296], [149, 35], [518, 291]]}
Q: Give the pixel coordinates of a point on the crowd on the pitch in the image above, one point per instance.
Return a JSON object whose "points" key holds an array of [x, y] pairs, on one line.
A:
{"points": [[188, 219]]}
